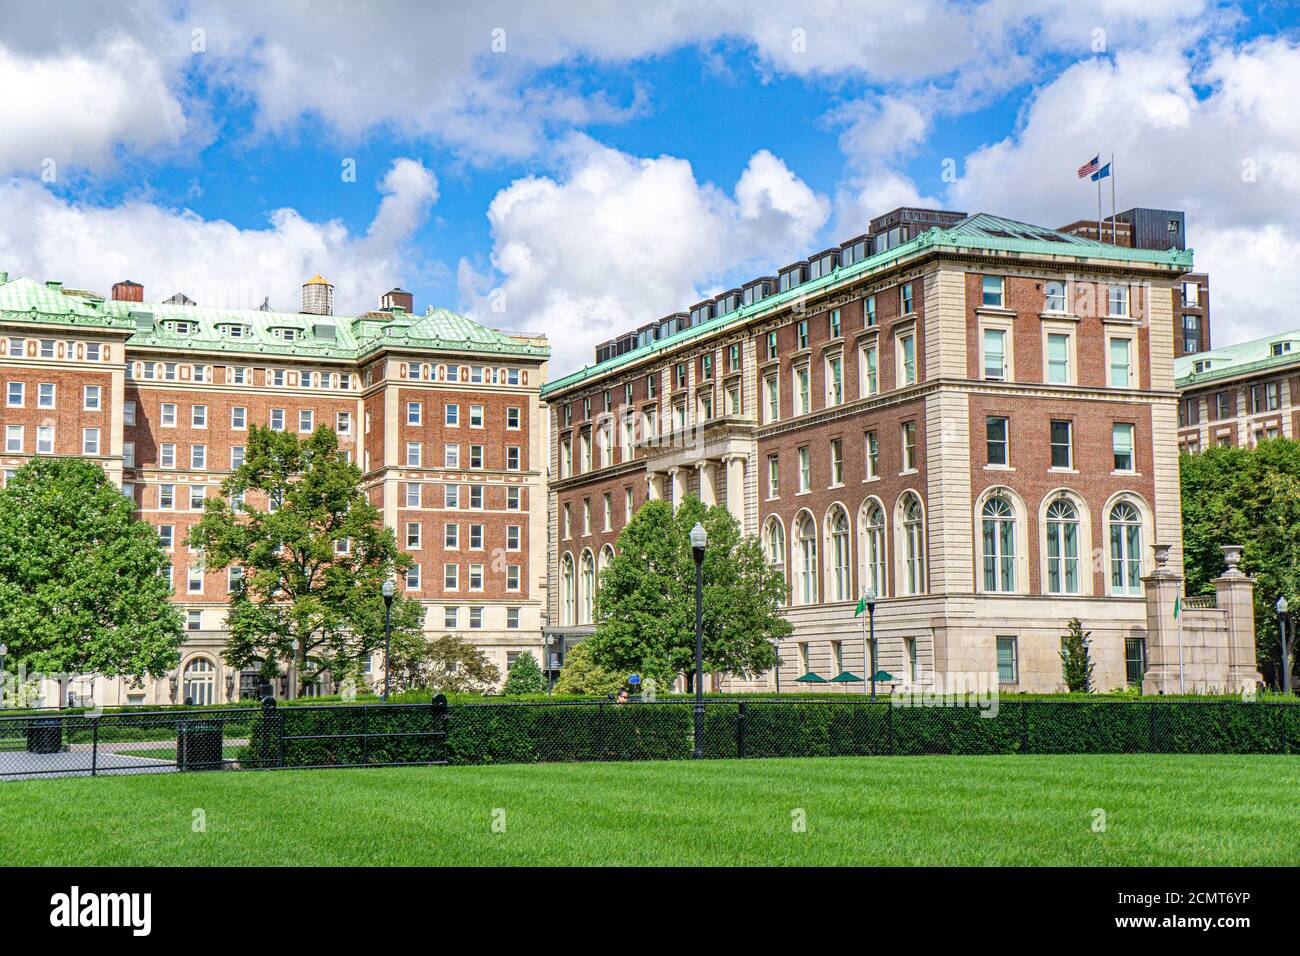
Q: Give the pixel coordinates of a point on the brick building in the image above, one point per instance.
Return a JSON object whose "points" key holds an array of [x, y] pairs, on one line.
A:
{"points": [[1162, 229], [442, 415], [976, 420], [1240, 394]]}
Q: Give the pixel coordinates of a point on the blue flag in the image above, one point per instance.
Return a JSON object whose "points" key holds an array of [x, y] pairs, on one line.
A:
{"points": [[1101, 173]]}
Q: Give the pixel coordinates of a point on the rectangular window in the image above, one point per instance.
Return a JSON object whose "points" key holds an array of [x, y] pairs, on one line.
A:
{"points": [[476, 497], [476, 416], [870, 371], [167, 455], [873, 455], [801, 334], [1062, 450], [907, 350], [476, 456], [773, 398], [476, 537], [771, 345], [1135, 660], [475, 578], [277, 419], [995, 354], [1058, 358], [128, 413], [198, 456], [512, 617], [239, 418], [451, 536], [90, 398], [1121, 363], [343, 423], [773, 476], [167, 415], [450, 577], [513, 499], [1122, 441], [198, 416], [995, 431], [413, 534], [512, 418], [475, 618], [166, 497], [236, 456], [513, 458], [15, 394], [905, 298], [166, 537], [45, 445], [412, 494], [805, 469], [993, 292], [1223, 405], [512, 577], [413, 578], [834, 380], [837, 462], [450, 617], [1117, 300], [451, 496], [834, 324], [909, 446], [194, 620], [802, 390], [869, 311], [413, 454], [90, 441], [197, 494], [1008, 663], [414, 413]]}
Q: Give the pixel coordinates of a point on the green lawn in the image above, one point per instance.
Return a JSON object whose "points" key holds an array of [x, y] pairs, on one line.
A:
{"points": [[1160, 810]]}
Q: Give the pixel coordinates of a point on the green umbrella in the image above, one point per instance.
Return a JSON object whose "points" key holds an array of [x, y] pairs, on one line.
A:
{"points": [[811, 678], [883, 677], [845, 677]]}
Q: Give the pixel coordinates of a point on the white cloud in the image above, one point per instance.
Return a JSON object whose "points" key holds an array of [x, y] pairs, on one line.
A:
{"points": [[616, 241], [1173, 149], [213, 261]]}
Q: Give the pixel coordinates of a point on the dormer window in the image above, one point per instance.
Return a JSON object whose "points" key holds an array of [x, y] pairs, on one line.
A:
{"points": [[178, 326], [231, 330], [1281, 348], [285, 334], [1201, 365]]}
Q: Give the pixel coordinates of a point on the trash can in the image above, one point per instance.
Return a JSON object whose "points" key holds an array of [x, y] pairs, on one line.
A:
{"points": [[198, 745], [45, 735]]}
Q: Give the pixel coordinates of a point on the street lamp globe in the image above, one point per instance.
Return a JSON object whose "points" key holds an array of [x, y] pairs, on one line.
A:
{"points": [[387, 590], [698, 537], [1281, 607], [870, 596]]}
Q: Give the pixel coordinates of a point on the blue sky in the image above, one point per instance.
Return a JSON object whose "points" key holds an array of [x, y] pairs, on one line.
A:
{"points": [[580, 168]]}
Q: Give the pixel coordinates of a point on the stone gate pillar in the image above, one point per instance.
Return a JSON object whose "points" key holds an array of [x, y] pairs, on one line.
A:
{"points": [[1163, 586], [1235, 594]]}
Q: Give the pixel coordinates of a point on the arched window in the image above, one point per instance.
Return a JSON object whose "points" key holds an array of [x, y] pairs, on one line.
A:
{"points": [[837, 569], [568, 592], [872, 547], [586, 587], [913, 545], [998, 518], [774, 544], [200, 682], [606, 556], [805, 569], [1125, 549], [1062, 547]]}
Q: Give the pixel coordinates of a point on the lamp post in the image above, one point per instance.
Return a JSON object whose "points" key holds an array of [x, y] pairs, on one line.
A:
{"points": [[4, 680], [293, 666], [1284, 626], [550, 663], [387, 591], [776, 646], [869, 646], [698, 540]]}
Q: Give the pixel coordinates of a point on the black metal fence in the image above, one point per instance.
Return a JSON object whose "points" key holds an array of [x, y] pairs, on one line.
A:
{"points": [[368, 735]]}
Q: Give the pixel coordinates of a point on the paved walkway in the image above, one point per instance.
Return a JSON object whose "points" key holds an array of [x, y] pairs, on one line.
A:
{"points": [[21, 765]]}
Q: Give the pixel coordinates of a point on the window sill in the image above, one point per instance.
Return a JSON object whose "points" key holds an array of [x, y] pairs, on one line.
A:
{"points": [[1058, 316], [907, 471], [999, 468], [1063, 471], [870, 478], [999, 311], [1125, 474]]}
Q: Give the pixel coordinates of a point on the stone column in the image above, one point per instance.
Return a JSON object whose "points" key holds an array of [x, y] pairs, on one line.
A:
{"points": [[678, 482], [708, 482], [1163, 586], [654, 485], [735, 468], [1235, 594]]}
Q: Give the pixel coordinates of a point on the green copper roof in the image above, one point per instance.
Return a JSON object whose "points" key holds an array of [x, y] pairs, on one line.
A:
{"points": [[980, 231], [1240, 359], [165, 326]]}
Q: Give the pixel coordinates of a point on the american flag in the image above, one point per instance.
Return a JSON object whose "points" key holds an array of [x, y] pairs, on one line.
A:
{"points": [[1090, 167]]}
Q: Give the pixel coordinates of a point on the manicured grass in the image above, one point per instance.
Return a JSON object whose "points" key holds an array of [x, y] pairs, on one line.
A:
{"points": [[1160, 810]]}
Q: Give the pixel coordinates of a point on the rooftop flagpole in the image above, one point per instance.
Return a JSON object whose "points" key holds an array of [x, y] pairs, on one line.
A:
{"points": [[1114, 239]]}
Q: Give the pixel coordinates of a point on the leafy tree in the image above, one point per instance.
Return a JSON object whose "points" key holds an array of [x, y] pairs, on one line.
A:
{"points": [[1076, 661], [1250, 497], [449, 664], [582, 675], [645, 606], [524, 676], [83, 585], [313, 553]]}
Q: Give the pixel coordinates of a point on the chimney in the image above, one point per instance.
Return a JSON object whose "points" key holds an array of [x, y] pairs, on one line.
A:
{"points": [[128, 291], [317, 296], [397, 298]]}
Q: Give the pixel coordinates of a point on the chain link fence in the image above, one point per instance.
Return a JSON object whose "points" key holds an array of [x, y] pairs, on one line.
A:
{"points": [[49, 744]]}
